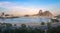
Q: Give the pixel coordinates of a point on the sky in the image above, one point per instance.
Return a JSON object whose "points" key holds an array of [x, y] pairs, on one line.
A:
{"points": [[23, 7]]}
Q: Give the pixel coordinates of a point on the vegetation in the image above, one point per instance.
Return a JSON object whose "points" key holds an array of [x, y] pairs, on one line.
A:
{"points": [[54, 30], [54, 20], [24, 29], [48, 25], [42, 23]]}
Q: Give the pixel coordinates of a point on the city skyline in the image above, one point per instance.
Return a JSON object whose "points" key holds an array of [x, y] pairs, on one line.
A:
{"points": [[22, 7]]}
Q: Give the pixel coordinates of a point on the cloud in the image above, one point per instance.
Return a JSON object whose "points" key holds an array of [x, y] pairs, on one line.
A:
{"points": [[13, 8], [17, 9]]}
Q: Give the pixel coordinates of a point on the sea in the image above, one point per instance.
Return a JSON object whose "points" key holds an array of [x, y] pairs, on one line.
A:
{"points": [[25, 20]]}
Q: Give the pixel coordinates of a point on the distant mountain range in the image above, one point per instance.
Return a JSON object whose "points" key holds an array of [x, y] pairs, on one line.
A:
{"points": [[46, 13]]}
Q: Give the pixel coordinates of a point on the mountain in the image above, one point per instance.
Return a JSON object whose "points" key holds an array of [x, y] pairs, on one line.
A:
{"points": [[46, 13]]}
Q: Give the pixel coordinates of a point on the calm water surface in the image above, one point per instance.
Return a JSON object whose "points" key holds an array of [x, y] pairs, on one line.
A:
{"points": [[25, 20]]}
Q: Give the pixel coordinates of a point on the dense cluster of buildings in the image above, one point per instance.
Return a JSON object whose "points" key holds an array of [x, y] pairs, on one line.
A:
{"points": [[3, 15]]}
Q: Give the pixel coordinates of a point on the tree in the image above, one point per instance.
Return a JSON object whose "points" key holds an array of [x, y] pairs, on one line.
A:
{"points": [[54, 20], [8, 25], [23, 25], [36, 30], [42, 23], [48, 25], [54, 30]]}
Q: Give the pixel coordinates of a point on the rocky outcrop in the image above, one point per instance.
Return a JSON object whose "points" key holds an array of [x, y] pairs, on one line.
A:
{"points": [[46, 13], [40, 13]]}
